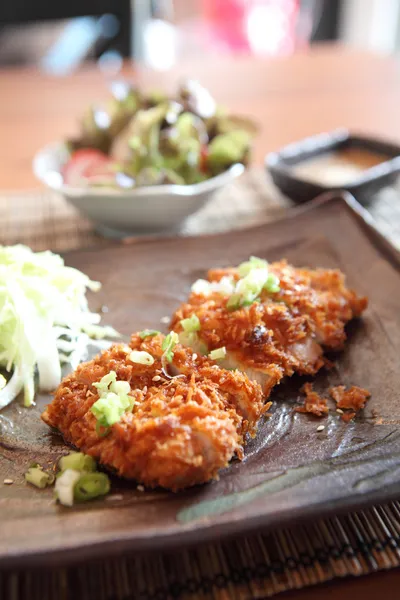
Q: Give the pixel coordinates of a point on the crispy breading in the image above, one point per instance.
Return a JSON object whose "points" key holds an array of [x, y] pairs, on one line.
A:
{"points": [[182, 429], [282, 333], [313, 403]]}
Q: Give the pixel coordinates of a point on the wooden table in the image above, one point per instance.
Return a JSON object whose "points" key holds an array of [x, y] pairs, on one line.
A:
{"points": [[311, 92], [293, 97]]}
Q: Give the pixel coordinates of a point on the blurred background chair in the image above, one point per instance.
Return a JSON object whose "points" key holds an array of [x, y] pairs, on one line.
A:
{"points": [[60, 35]]}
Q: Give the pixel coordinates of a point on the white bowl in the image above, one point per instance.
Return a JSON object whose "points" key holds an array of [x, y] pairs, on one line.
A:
{"points": [[141, 210]]}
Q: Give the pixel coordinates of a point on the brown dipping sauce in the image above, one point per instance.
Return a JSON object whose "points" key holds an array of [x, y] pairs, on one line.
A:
{"points": [[338, 168]]}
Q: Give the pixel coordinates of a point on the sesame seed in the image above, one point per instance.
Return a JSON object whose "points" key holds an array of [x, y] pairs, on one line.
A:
{"points": [[339, 410], [321, 428], [164, 320], [156, 378], [8, 481], [114, 498], [140, 488], [194, 356]]}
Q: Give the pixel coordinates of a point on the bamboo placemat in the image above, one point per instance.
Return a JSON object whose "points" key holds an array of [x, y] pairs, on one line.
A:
{"points": [[257, 566]]}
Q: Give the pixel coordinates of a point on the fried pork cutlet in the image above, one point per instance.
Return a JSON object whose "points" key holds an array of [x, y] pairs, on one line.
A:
{"points": [[180, 431], [273, 320]]}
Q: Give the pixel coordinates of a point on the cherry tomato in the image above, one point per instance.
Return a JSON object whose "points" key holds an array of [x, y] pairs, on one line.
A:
{"points": [[84, 164]]}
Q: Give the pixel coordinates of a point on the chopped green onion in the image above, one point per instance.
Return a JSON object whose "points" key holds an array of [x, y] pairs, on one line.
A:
{"points": [[90, 486], [191, 324], [218, 353], [233, 302], [192, 340], [78, 462], [250, 287], [110, 408], [121, 388], [169, 344], [141, 357], [113, 402], [104, 383], [272, 284], [39, 478], [3, 382], [65, 484], [253, 263], [201, 287], [225, 286], [148, 333]]}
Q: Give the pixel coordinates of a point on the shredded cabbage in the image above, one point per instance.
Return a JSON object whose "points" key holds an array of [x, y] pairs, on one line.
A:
{"points": [[44, 319]]}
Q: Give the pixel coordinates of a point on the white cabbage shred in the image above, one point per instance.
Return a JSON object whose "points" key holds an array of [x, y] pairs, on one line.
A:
{"points": [[44, 320]]}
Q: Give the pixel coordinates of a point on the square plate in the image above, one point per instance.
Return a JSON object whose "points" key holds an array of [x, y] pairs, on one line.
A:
{"points": [[290, 471]]}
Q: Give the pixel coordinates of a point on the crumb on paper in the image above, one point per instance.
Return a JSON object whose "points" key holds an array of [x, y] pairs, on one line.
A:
{"points": [[140, 488], [313, 403], [354, 398], [321, 428], [8, 481], [348, 416], [349, 402], [266, 407], [165, 320]]}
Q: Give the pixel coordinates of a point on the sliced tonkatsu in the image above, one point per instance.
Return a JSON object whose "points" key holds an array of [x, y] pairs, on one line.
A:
{"points": [[157, 412], [268, 320]]}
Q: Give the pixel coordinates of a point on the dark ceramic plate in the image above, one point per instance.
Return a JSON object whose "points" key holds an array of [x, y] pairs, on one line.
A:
{"points": [[280, 165], [290, 471]]}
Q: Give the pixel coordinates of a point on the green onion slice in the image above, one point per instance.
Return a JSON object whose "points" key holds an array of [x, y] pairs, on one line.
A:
{"points": [[113, 402], [169, 344], [78, 462], [65, 484], [3, 382], [253, 263], [105, 382], [218, 353], [90, 486], [141, 357], [191, 324], [39, 478], [272, 284], [148, 333], [233, 302], [192, 340]]}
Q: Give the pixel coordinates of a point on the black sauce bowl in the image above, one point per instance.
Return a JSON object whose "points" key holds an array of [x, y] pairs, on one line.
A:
{"points": [[279, 164]]}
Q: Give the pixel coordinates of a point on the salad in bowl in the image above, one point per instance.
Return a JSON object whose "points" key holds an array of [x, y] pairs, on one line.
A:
{"points": [[146, 161], [140, 139]]}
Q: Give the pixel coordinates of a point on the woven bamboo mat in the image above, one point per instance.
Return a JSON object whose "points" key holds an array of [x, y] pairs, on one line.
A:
{"points": [[259, 566]]}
